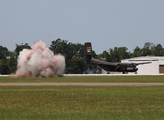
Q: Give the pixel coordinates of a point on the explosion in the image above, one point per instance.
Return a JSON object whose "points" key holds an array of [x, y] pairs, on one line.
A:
{"points": [[39, 61]]}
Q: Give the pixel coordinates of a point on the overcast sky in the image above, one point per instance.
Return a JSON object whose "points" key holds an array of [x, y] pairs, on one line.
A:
{"points": [[105, 23]]}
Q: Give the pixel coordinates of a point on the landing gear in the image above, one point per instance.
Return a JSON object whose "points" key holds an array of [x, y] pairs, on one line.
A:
{"points": [[108, 72]]}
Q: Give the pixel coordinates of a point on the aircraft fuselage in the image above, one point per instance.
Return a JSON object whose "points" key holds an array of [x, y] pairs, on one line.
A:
{"points": [[120, 68]]}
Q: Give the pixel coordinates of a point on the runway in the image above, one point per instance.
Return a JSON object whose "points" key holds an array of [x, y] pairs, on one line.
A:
{"points": [[82, 75], [84, 83], [81, 84]]}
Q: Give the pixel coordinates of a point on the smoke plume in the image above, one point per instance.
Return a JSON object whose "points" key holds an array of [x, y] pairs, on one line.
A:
{"points": [[39, 61]]}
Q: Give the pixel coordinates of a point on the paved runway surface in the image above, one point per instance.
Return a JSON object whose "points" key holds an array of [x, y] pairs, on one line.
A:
{"points": [[81, 84]]}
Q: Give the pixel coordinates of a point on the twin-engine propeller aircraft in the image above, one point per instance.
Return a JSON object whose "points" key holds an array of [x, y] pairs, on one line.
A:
{"points": [[110, 66]]}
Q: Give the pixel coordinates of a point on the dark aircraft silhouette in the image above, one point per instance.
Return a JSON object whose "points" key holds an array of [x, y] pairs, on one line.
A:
{"points": [[109, 66]]}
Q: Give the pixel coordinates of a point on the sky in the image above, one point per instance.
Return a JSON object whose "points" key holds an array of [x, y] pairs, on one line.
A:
{"points": [[104, 23]]}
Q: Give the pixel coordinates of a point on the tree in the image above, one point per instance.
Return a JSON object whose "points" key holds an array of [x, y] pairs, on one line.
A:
{"points": [[158, 50], [4, 58], [148, 45], [21, 47], [118, 53], [105, 56], [62, 47], [76, 65], [4, 68], [69, 50], [147, 49], [12, 64], [137, 52], [146, 52], [3, 52]]}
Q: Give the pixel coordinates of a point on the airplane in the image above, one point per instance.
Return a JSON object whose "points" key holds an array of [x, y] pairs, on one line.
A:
{"points": [[109, 66]]}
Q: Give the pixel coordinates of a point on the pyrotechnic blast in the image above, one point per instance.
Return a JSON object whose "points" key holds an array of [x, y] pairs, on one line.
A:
{"points": [[39, 61]]}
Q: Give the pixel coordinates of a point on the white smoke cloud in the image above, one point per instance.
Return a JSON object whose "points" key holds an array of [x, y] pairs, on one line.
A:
{"points": [[39, 61]]}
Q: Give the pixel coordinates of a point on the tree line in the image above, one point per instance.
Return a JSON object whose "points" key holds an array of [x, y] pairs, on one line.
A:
{"points": [[73, 53]]}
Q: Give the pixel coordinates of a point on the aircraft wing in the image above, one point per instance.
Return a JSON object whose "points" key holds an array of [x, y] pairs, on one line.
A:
{"points": [[101, 62], [142, 63]]}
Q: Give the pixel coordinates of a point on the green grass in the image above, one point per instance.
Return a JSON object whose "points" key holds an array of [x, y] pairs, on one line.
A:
{"points": [[81, 103], [88, 79]]}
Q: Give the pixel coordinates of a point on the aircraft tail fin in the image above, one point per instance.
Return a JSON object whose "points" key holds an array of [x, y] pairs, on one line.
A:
{"points": [[87, 52]]}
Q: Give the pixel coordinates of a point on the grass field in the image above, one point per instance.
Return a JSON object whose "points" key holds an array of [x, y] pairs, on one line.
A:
{"points": [[79, 103], [88, 79], [82, 102]]}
